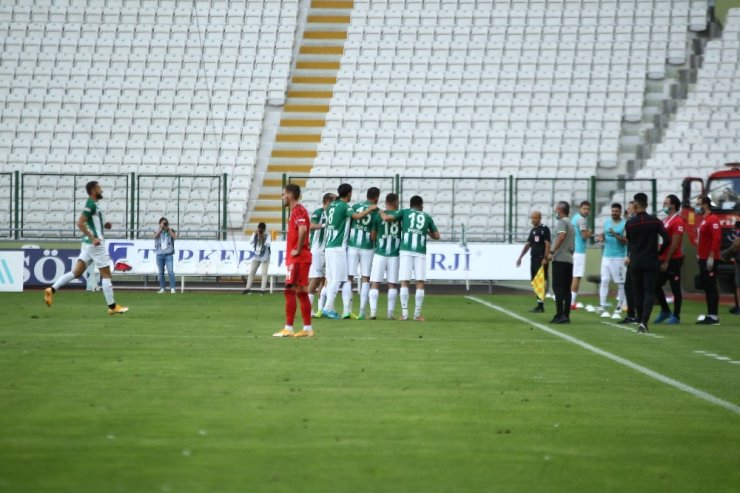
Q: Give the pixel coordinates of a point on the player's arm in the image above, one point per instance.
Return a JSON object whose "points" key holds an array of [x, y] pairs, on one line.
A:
{"points": [[302, 232], [82, 226], [621, 239], [675, 243], [389, 217], [360, 215], [525, 249], [173, 234], [584, 231], [559, 239], [666, 239]]}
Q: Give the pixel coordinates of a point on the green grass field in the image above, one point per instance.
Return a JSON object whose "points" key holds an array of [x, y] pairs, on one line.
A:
{"points": [[190, 393]]}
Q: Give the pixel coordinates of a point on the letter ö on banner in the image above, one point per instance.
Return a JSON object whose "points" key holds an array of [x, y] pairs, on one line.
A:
{"points": [[26, 265], [38, 269]]}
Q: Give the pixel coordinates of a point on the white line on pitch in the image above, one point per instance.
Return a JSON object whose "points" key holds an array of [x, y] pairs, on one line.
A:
{"points": [[718, 357], [618, 359], [631, 331]]}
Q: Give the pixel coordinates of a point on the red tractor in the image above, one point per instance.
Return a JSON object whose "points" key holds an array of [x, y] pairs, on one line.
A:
{"points": [[723, 187]]}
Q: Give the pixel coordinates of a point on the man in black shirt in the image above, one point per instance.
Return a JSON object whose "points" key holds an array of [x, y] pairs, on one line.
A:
{"points": [[538, 243], [642, 232]]}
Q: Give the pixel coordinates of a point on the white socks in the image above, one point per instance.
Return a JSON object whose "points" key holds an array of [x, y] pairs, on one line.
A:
{"points": [[373, 295], [573, 298], [622, 300], [392, 295], [405, 301], [333, 289], [322, 299], [108, 291], [63, 281], [310, 299], [347, 296], [364, 294], [419, 299], [603, 292]]}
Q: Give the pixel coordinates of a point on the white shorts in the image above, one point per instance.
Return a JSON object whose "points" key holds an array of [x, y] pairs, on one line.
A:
{"points": [[613, 269], [385, 267], [336, 264], [411, 262], [97, 255], [318, 265], [579, 264], [363, 258]]}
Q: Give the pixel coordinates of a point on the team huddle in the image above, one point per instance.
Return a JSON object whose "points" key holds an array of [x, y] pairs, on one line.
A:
{"points": [[326, 250]]}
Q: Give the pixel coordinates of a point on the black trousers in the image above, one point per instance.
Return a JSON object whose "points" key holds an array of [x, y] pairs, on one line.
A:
{"points": [[629, 294], [534, 267], [644, 278], [709, 282], [672, 275], [562, 276]]}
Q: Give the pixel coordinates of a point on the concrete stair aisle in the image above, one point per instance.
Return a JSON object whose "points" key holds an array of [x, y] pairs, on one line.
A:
{"points": [[304, 115]]}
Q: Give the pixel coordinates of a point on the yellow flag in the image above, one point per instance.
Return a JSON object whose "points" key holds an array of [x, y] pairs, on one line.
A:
{"points": [[538, 284]]}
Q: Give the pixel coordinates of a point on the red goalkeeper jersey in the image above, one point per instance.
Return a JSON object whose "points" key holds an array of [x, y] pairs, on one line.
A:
{"points": [[298, 217]]}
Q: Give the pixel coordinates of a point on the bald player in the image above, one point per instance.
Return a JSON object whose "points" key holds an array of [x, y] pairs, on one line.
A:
{"points": [[538, 244]]}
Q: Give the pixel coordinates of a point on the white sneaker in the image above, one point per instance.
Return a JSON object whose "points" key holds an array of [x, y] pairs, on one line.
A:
{"points": [[605, 314], [617, 315], [173, 291], [598, 309], [591, 309], [579, 305], [160, 291]]}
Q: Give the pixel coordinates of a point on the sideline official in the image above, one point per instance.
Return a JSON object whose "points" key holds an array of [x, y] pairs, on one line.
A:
{"points": [[538, 244]]}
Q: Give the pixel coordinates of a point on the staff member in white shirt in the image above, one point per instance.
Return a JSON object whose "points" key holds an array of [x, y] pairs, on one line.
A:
{"points": [[261, 259]]}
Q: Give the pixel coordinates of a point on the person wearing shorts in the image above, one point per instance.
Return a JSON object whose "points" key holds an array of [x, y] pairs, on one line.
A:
{"points": [[360, 253], [92, 251], [298, 262], [387, 238], [338, 217], [580, 225], [613, 268], [317, 274], [416, 225]]}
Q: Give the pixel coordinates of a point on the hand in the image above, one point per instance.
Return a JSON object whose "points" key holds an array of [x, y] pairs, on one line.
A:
{"points": [[545, 260], [626, 261], [710, 263], [664, 267], [96, 241], [519, 262], [295, 253], [108, 225]]}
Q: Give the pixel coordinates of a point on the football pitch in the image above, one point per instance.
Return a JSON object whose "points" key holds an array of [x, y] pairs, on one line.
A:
{"points": [[190, 393]]}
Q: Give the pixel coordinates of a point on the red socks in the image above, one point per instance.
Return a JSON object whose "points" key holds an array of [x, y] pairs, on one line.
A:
{"points": [[290, 305], [305, 308]]}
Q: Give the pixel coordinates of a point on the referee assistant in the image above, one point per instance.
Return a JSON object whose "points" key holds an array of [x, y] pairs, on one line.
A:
{"points": [[642, 232], [538, 244]]}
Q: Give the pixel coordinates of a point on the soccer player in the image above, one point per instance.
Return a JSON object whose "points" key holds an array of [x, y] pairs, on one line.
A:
{"points": [[671, 263], [338, 218], [360, 253], [92, 250], [579, 256], [416, 225], [538, 243], [387, 238], [298, 261], [317, 274], [612, 261]]}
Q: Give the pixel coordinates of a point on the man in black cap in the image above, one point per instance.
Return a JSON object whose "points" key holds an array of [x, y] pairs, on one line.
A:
{"points": [[642, 232]]}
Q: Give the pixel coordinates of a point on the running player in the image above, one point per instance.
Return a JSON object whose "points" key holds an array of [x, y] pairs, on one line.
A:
{"points": [[338, 217], [416, 225], [360, 253], [387, 238], [317, 274], [298, 261], [92, 250]]}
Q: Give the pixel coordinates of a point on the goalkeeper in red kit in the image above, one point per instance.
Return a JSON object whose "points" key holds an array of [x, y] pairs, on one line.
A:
{"points": [[298, 261]]}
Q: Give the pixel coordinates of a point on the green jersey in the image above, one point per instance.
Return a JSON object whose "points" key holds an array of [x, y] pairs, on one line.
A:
{"points": [[388, 236], [318, 236], [337, 223], [415, 226], [359, 229], [93, 220]]}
